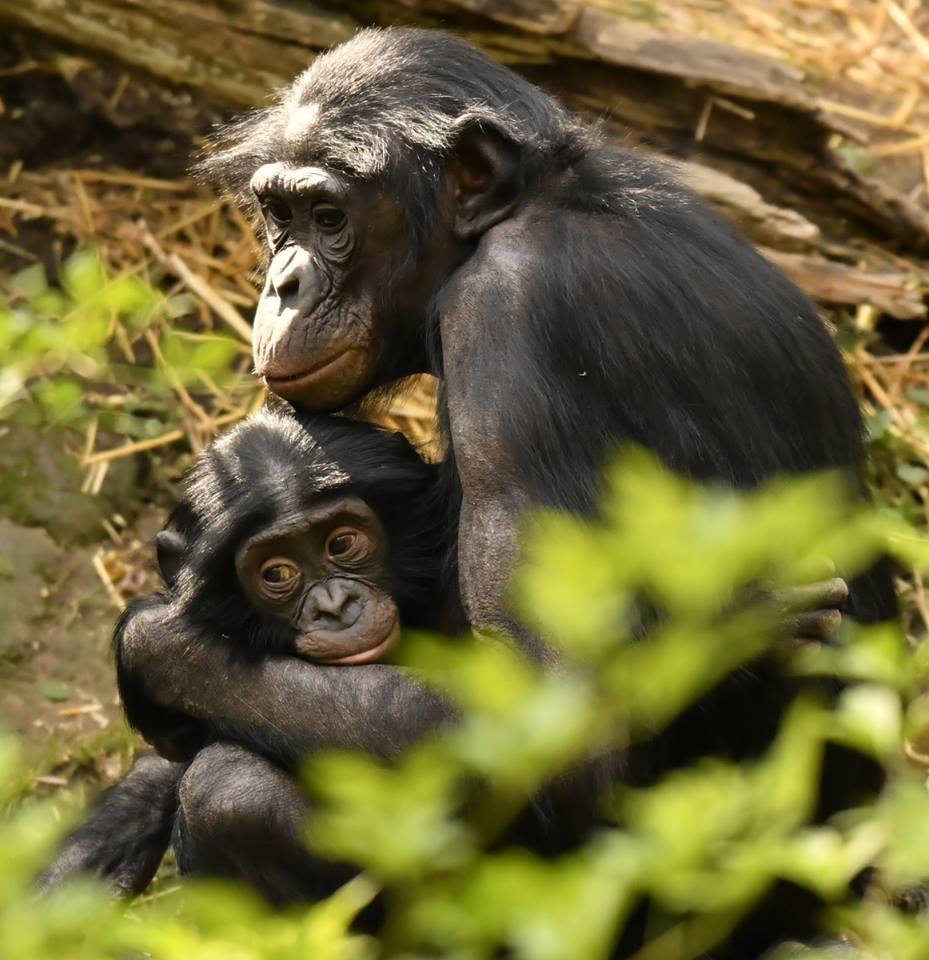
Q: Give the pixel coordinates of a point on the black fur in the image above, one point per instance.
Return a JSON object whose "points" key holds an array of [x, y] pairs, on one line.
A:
{"points": [[275, 464], [604, 303], [127, 832], [634, 314], [278, 463]]}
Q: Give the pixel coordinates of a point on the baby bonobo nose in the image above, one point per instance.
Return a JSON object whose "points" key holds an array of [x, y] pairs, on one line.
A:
{"points": [[336, 604]]}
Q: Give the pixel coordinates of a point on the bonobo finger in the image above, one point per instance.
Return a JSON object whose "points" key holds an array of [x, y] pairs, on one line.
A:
{"points": [[814, 625], [816, 598]]}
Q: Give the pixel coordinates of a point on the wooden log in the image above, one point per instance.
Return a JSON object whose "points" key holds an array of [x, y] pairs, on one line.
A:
{"points": [[899, 295], [705, 62], [535, 16], [764, 222]]}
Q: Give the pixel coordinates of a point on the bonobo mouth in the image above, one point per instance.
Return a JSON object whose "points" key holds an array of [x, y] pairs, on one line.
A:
{"points": [[367, 656], [315, 645], [294, 386]]}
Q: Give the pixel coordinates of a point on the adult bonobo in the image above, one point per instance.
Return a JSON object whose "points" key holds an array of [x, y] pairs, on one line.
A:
{"points": [[428, 209]]}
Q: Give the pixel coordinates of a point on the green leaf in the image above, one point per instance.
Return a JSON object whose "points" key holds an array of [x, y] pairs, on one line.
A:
{"points": [[84, 275], [30, 282], [394, 821], [918, 395], [56, 692], [187, 359], [860, 159], [61, 399], [878, 424], [870, 719]]}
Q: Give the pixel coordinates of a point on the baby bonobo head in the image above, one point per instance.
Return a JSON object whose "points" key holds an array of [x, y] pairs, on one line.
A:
{"points": [[324, 575], [313, 535]]}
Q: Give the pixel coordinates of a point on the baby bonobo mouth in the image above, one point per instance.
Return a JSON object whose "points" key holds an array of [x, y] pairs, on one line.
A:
{"points": [[368, 640], [371, 655]]}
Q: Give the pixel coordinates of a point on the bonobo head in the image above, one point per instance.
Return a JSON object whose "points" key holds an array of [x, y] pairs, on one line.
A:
{"points": [[374, 177], [307, 535]]}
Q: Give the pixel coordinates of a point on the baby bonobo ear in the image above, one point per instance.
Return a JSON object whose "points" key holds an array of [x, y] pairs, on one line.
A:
{"points": [[169, 553]]}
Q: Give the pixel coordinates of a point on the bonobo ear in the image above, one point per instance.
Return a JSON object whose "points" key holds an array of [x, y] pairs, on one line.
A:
{"points": [[485, 168], [169, 552]]}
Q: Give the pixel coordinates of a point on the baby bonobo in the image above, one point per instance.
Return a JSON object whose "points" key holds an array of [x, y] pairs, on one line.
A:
{"points": [[309, 535], [315, 536]]}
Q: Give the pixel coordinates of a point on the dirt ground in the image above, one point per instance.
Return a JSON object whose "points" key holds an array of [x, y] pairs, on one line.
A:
{"points": [[57, 685], [71, 555]]}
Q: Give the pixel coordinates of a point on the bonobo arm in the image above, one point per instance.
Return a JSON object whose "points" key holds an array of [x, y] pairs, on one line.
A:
{"points": [[126, 835], [176, 736], [526, 431], [284, 708]]}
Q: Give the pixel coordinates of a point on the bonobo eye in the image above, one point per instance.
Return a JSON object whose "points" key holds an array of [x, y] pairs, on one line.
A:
{"points": [[328, 218], [279, 576], [276, 210], [347, 545]]}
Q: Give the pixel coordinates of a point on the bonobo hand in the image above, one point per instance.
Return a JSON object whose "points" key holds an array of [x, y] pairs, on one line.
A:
{"points": [[811, 612]]}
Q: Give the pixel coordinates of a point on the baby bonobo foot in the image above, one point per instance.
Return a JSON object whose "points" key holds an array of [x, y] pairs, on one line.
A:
{"points": [[124, 839]]}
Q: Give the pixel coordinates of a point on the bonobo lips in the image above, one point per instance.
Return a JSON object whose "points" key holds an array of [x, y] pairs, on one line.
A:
{"points": [[320, 645], [371, 655], [292, 386]]}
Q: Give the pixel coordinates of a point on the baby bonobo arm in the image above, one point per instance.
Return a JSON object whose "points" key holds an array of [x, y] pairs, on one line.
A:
{"points": [[283, 707], [242, 816]]}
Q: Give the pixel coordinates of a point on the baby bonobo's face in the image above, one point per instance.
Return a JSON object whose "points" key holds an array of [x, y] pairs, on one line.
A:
{"points": [[325, 571]]}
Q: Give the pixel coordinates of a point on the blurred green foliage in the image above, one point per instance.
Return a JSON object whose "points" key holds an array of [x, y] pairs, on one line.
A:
{"points": [[704, 844], [96, 347]]}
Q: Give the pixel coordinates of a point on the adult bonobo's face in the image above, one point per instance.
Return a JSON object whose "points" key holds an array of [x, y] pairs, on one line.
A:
{"points": [[350, 281], [314, 332], [322, 574], [376, 175]]}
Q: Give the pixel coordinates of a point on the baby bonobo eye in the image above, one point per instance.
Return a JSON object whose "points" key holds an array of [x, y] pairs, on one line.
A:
{"points": [[279, 576], [347, 545]]}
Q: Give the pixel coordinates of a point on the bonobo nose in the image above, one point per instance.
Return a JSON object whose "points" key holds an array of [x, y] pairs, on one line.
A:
{"points": [[335, 605], [296, 280]]}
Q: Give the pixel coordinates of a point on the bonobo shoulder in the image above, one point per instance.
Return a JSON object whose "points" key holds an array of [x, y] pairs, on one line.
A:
{"points": [[503, 268]]}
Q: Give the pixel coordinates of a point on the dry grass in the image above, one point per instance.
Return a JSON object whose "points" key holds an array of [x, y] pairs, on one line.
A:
{"points": [[866, 60], [175, 235]]}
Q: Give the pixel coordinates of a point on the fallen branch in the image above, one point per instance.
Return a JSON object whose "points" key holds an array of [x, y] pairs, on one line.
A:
{"points": [[898, 294]]}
